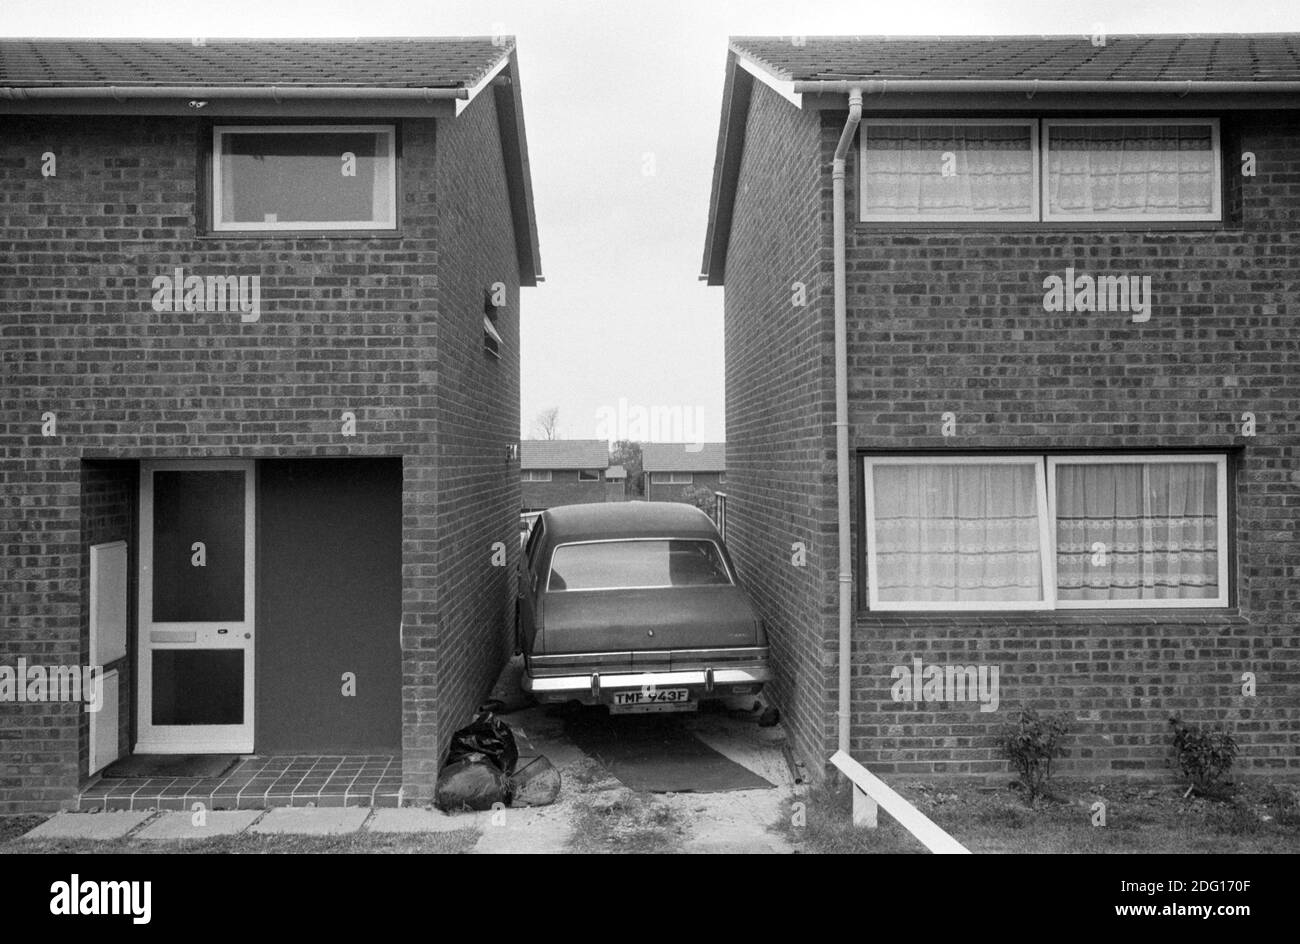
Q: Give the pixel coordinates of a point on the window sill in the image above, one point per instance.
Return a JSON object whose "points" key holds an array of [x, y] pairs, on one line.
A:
{"points": [[1173, 616], [1036, 227], [265, 235]]}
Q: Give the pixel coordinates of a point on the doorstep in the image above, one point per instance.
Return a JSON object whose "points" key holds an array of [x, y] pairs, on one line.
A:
{"points": [[261, 782]]}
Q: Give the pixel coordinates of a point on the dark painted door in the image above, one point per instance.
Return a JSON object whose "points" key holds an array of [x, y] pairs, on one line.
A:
{"points": [[329, 605]]}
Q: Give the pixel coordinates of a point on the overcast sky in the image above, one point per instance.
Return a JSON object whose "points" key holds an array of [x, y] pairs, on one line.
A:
{"points": [[621, 101]]}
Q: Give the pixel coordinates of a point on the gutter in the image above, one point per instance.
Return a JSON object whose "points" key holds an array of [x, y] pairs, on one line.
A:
{"points": [[275, 93], [1030, 87], [842, 417]]}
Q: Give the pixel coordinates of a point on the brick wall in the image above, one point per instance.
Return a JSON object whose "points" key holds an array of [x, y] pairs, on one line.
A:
{"points": [[780, 406], [347, 324], [954, 322], [564, 489], [477, 417]]}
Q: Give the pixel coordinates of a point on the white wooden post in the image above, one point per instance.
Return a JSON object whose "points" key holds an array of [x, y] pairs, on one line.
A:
{"points": [[864, 808]]}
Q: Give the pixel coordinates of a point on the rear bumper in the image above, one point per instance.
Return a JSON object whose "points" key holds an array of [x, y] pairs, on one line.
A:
{"points": [[598, 685]]}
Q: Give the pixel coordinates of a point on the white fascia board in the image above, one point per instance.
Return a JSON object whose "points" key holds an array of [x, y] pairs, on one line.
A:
{"points": [[782, 87], [481, 84]]}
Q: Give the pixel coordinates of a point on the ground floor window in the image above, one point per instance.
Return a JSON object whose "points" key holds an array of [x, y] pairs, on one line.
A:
{"points": [[1042, 532]]}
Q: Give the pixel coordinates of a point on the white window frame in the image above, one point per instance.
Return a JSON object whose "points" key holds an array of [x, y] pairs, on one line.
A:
{"points": [[222, 226], [594, 473], [537, 475], [1045, 487], [672, 478], [1035, 162], [1220, 462], [1046, 551], [1215, 216]]}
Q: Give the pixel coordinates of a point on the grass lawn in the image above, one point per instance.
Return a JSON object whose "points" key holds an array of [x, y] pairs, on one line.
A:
{"points": [[1139, 817]]}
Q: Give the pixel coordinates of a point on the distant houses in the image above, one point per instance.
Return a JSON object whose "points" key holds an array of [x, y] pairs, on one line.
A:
{"points": [[672, 469], [567, 472]]}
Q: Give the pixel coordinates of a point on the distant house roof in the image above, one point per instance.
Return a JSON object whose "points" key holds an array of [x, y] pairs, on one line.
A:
{"points": [[683, 457], [564, 454], [1035, 74], [257, 78], [614, 473]]}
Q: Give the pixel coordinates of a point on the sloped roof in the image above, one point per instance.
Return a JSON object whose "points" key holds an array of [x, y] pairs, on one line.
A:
{"points": [[1154, 58], [433, 62], [615, 472], [564, 454], [683, 457]]}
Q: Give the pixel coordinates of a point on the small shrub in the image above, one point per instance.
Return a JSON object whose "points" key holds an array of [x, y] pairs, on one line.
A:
{"points": [[1031, 743], [1203, 756]]}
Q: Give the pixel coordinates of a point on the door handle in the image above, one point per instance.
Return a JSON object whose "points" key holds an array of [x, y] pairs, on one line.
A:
{"points": [[222, 632]]}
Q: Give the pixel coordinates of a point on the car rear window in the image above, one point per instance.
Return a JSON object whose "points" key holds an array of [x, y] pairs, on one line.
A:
{"points": [[613, 565]]}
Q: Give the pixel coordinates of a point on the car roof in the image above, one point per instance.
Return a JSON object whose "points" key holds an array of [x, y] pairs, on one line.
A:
{"points": [[625, 519]]}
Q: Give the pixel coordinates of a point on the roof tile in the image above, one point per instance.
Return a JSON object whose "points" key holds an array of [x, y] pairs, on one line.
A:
{"points": [[436, 62], [1240, 57]]}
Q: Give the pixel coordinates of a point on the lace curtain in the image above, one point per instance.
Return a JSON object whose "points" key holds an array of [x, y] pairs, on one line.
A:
{"points": [[1130, 169], [956, 533], [993, 170], [1133, 531]]}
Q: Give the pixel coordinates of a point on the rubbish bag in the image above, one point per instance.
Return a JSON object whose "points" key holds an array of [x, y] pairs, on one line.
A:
{"points": [[535, 783], [487, 735], [472, 783]]}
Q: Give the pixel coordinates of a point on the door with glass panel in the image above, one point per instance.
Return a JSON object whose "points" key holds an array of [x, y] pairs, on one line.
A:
{"points": [[195, 653]]}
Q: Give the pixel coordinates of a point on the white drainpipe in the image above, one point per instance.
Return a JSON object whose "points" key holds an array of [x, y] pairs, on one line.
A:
{"points": [[842, 416]]}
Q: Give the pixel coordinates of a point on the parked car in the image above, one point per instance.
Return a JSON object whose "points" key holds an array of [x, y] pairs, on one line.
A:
{"points": [[635, 605], [526, 521]]}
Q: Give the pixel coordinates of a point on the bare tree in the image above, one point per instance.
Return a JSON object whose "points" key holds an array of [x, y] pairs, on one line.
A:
{"points": [[547, 424]]}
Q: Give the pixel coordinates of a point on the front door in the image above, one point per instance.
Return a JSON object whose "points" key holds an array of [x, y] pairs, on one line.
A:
{"points": [[196, 607]]}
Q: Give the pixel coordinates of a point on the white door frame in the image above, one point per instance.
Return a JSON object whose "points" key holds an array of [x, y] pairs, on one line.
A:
{"points": [[238, 634]]}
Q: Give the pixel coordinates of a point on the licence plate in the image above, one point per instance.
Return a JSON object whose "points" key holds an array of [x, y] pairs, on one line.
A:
{"points": [[658, 699]]}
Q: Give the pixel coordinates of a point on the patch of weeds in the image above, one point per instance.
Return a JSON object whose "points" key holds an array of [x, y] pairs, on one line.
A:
{"points": [[11, 827], [1002, 817], [1234, 818], [586, 772], [1281, 804], [820, 821], [625, 822]]}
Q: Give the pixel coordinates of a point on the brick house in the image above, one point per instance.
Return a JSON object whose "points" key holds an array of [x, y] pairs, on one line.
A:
{"points": [[565, 472], [673, 468], [1063, 360], [260, 305]]}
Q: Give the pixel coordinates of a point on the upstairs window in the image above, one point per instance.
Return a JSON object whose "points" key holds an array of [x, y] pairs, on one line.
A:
{"points": [[1049, 170], [959, 171], [1131, 170], [304, 177]]}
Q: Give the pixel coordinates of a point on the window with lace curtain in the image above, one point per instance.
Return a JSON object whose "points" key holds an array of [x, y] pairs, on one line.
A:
{"points": [[1041, 170], [1044, 532]]}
